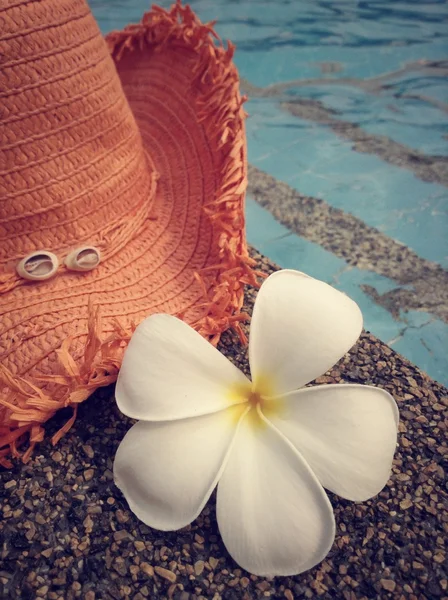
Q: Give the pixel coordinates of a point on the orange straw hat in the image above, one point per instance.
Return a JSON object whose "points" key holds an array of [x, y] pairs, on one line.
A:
{"points": [[122, 181]]}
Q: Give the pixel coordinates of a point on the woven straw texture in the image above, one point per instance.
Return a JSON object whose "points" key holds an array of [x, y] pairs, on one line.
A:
{"points": [[136, 146]]}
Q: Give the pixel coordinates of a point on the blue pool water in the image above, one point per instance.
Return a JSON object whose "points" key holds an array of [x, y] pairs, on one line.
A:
{"points": [[378, 64]]}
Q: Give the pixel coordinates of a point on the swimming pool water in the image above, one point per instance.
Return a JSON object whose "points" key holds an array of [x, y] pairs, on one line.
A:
{"points": [[380, 64]]}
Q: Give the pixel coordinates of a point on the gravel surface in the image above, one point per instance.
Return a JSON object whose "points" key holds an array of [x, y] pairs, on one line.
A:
{"points": [[67, 531]]}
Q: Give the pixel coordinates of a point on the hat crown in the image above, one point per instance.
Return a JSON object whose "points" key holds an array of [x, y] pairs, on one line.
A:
{"points": [[72, 166]]}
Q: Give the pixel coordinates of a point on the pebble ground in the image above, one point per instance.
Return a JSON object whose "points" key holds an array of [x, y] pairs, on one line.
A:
{"points": [[66, 531]]}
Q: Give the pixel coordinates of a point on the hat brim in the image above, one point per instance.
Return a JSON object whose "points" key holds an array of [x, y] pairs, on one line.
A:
{"points": [[190, 258]]}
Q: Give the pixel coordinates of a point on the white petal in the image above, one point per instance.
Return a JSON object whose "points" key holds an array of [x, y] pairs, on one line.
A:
{"points": [[274, 516], [170, 372], [346, 433], [167, 470], [300, 328]]}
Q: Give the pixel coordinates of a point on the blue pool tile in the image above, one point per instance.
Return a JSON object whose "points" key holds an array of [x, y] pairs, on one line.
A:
{"points": [[427, 342], [318, 163]]}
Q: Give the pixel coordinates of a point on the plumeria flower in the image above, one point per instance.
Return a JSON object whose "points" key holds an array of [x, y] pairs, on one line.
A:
{"points": [[269, 447]]}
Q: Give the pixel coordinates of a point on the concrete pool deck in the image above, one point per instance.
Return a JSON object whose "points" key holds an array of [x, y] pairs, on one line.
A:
{"points": [[67, 531]]}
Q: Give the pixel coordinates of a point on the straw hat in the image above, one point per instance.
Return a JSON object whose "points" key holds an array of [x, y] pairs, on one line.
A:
{"points": [[122, 181]]}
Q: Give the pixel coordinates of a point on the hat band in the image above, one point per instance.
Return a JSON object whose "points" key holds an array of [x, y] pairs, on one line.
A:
{"points": [[110, 241]]}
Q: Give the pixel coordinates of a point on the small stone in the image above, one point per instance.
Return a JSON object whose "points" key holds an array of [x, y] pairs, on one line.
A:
{"points": [[388, 584], [10, 484], [42, 591], [94, 510], [40, 519], [121, 516], [31, 530], [88, 474], [56, 456], [88, 451], [406, 503], [198, 547], [120, 566], [369, 535], [288, 594], [121, 535], [213, 562], [88, 524], [108, 474], [47, 553], [244, 582], [166, 574], [263, 585], [139, 545], [90, 595], [147, 569], [199, 567], [407, 414]]}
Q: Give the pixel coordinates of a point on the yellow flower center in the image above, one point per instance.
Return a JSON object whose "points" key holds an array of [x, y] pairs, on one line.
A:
{"points": [[258, 396], [254, 398]]}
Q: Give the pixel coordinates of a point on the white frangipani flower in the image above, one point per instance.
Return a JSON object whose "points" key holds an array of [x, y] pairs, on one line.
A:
{"points": [[269, 447]]}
